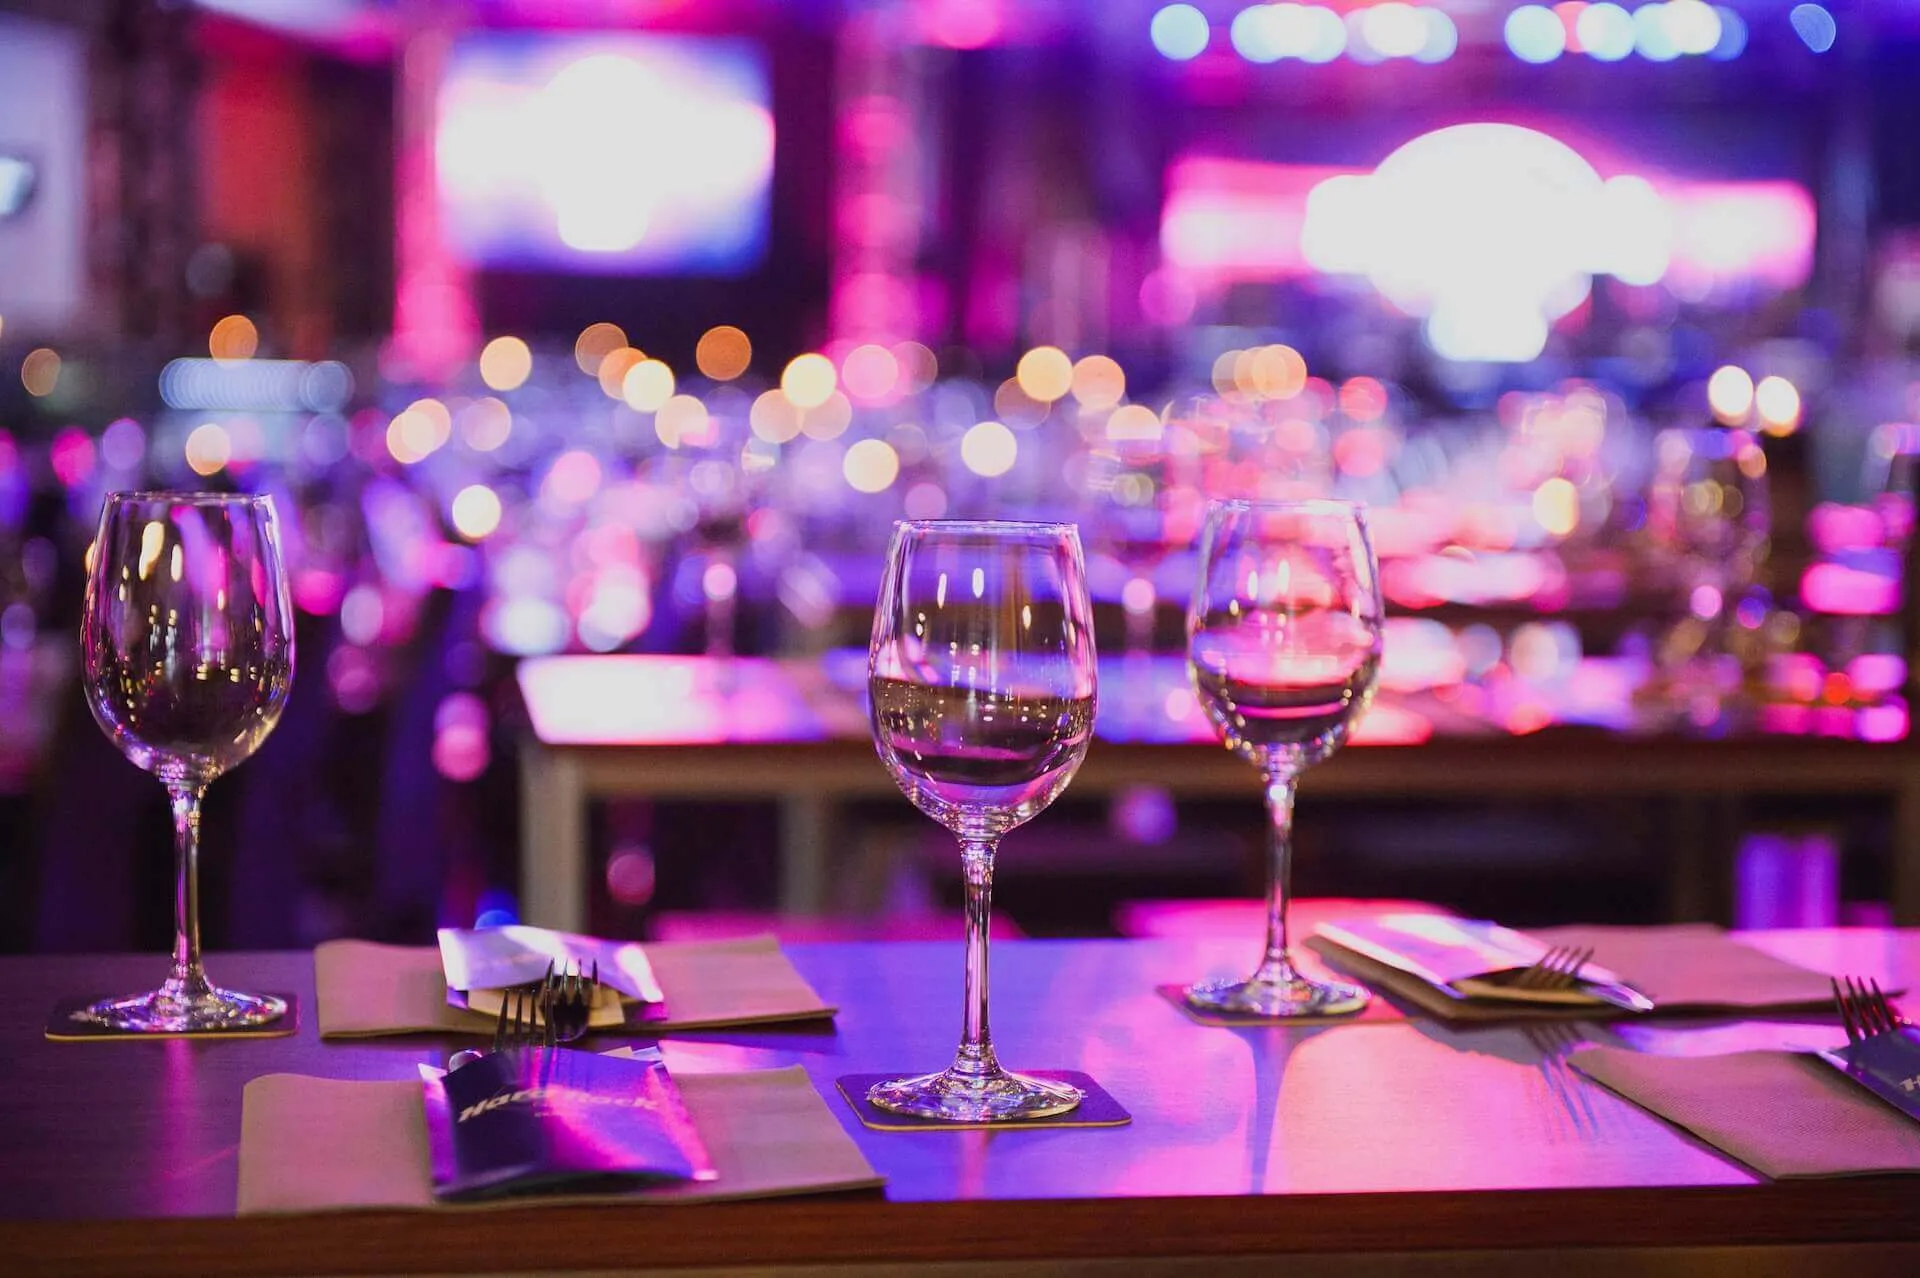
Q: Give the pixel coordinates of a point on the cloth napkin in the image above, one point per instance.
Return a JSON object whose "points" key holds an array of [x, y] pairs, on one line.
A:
{"points": [[1784, 1114], [1689, 967], [365, 989], [323, 1144]]}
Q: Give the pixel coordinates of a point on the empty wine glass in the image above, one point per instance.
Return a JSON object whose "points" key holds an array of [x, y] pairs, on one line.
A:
{"points": [[187, 638], [1283, 642], [981, 678]]}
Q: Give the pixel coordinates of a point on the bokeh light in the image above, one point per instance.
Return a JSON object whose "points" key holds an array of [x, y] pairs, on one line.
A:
{"points": [[1777, 403], [595, 343], [871, 466], [647, 385], [615, 367], [476, 512], [683, 421], [209, 448], [723, 353], [1535, 34], [774, 417], [1045, 374], [1179, 32], [233, 338], [1556, 506], [830, 420], [1815, 26], [1605, 32], [505, 363], [1098, 382], [989, 449], [809, 380], [869, 373], [1730, 393], [486, 423], [40, 372]]}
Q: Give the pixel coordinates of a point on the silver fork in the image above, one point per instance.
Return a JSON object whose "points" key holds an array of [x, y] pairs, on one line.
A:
{"points": [[1864, 1009], [1558, 968], [525, 1020], [569, 1000]]}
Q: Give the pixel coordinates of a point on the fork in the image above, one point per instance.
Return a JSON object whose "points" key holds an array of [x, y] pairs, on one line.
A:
{"points": [[1864, 1010], [1558, 968], [525, 1020], [569, 995]]}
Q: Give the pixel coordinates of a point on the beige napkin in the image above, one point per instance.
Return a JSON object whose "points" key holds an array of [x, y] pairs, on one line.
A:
{"points": [[323, 1144], [1781, 1113], [1689, 967], [364, 988]]}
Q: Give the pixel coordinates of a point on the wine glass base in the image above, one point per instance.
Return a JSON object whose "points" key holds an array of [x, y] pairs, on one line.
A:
{"points": [[164, 1012], [961, 1098], [1295, 997]]}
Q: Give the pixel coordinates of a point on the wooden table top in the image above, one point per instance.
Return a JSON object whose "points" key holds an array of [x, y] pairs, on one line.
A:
{"points": [[1373, 1137]]}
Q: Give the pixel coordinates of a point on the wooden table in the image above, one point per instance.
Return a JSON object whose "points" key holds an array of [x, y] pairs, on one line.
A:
{"points": [[1354, 1149], [793, 731]]}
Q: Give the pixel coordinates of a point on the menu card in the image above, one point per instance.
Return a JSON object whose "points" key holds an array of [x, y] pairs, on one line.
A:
{"points": [[542, 1119]]}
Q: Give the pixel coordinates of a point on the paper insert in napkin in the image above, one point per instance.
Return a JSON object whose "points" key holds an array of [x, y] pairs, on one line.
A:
{"points": [[497, 958], [545, 1119], [1461, 958]]}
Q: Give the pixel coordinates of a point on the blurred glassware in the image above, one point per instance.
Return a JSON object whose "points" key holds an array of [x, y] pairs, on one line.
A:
{"points": [[1707, 527]]}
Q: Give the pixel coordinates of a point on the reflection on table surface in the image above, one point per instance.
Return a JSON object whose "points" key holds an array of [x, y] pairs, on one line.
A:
{"points": [[1432, 686]]}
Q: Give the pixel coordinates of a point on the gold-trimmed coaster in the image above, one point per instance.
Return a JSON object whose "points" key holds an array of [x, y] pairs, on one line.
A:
{"points": [[1098, 1109], [1377, 1009], [63, 1027]]}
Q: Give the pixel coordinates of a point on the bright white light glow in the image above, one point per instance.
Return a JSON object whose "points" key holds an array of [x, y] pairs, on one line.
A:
{"points": [[1605, 32], [1535, 34], [1179, 32], [1491, 231], [989, 449], [1815, 26], [1253, 34], [1730, 393], [1692, 25], [1394, 29]]}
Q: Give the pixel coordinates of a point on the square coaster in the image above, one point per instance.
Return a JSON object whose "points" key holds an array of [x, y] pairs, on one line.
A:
{"points": [[1377, 1009], [1099, 1109], [63, 1028]]}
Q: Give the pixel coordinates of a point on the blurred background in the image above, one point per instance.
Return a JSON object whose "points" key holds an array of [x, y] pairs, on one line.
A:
{"points": [[630, 326]]}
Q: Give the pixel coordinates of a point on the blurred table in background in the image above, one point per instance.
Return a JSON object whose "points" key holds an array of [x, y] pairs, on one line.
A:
{"points": [[795, 732]]}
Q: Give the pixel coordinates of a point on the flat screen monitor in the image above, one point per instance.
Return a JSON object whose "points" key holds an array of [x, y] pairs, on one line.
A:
{"points": [[605, 153]]}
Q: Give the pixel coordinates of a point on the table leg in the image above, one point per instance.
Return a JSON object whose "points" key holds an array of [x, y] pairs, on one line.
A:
{"points": [[1903, 869], [806, 828], [553, 840]]}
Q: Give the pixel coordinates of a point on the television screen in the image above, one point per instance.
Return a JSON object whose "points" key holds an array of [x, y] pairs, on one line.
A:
{"points": [[606, 154]]}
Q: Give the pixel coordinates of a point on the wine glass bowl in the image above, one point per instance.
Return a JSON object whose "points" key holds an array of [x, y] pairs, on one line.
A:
{"points": [[187, 645], [1284, 639], [981, 683]]}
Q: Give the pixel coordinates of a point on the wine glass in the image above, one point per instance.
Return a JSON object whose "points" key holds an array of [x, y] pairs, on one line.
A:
{"points": [[981, 678], [187, 637], [1283, 642]]}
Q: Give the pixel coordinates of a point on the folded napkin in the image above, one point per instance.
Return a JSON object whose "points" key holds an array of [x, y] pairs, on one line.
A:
{"points": [[1689, 967], [323, 1144], [364, 988], [1784, 1114]]}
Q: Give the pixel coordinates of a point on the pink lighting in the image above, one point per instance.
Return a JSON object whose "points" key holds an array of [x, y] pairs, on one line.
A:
{"points": [[1849, 592], [1491, 231]]}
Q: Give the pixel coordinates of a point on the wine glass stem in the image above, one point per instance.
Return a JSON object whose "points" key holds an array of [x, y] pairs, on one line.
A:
{"points": [[1282, 779], [975, 1059], [188, 980]]}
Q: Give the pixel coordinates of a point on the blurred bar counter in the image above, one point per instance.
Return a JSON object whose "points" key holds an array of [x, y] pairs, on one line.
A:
{"points": [[795, 731]]}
